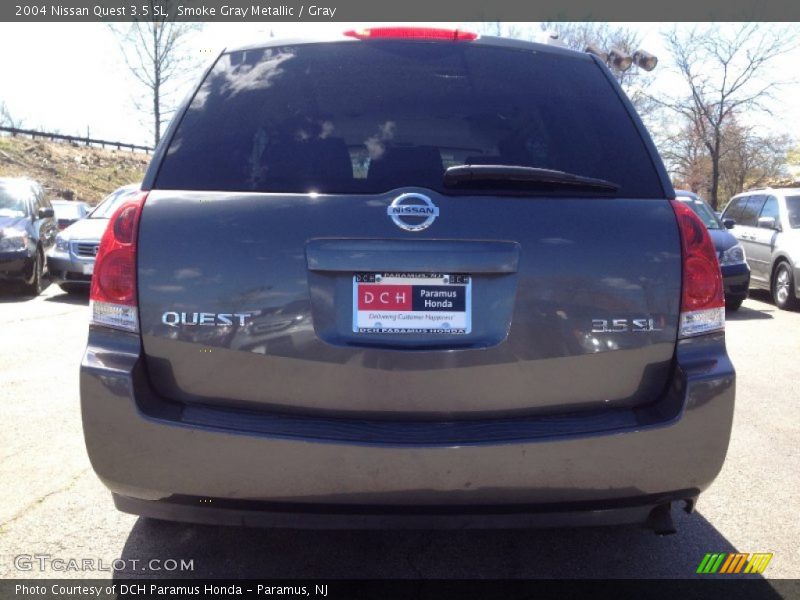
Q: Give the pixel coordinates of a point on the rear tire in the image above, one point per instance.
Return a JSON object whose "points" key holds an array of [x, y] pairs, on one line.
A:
{"points": [[782, 287], [733, 305], [34, 286]]}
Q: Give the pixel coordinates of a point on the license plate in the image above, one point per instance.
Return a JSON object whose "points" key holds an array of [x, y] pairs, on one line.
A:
{"points": [[88, 269], [412, 303]]}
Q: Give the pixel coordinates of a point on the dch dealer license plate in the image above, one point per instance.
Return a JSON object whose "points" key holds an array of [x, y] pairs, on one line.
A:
{"points": [[412, 303]]}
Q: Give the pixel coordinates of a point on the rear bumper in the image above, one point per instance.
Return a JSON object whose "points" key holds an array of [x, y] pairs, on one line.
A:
{"points": [[163, 460], [63, 268], [637, 510], [736, 279]]}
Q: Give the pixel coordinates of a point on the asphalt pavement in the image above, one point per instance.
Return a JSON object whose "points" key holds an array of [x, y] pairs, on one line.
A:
{"points": [[52, 504]]}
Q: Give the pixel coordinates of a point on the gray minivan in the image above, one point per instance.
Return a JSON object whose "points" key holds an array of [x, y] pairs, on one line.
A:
{"points": [[368, 282], [766, 222]]}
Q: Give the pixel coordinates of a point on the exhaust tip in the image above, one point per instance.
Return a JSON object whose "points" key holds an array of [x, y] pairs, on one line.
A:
{"points": [[689, 504], [660, 520]]}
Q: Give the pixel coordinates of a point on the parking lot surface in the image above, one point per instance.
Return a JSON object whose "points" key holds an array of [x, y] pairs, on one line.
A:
{"points": [[52, 504]]}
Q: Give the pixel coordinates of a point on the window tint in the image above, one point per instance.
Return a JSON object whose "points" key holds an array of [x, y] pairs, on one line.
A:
{"points": [[770, 209], [110, 203], [702, 210], [12, 203], [68, 210], [370, 117], [749, 215], [793, 211], [734, 209]]}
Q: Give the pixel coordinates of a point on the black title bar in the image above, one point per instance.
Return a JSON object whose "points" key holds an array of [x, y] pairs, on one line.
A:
{"points": [[397, 10]]}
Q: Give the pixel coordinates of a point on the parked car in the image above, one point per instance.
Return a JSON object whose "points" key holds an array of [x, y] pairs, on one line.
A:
{"points": [[71, 260], [69, 211], [767, 223], [731, 255], [369, 283], [27, 231]]}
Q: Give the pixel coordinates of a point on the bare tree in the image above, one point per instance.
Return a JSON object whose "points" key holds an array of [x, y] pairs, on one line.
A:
{"points": [[751, 159], [154, 49], [747, 159], [726, 74], [686, 158], [6, 120], [793, 167]]}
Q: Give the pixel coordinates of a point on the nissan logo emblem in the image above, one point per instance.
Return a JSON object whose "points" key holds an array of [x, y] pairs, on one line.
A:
{"points": [[413, 212]]}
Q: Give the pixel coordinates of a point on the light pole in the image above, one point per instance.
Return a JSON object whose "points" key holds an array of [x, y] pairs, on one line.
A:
{"points": [[622, 61]]}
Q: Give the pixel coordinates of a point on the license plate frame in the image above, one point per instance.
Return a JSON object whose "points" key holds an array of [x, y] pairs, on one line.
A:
{"points": [[423, 304]]}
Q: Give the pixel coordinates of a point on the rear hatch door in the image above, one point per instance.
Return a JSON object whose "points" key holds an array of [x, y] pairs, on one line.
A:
{"points": [[301, 252]]}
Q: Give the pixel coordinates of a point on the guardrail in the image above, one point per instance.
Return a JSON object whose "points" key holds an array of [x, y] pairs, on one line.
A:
{"points": [[74, 139]]}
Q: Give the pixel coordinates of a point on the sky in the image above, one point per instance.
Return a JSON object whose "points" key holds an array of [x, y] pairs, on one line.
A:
{"points": [[70, 77]]}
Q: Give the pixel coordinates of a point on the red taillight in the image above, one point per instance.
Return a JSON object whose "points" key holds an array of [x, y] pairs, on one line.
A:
{"points": [[412, 33], [115, 279], [702, 296], [113, 294]]}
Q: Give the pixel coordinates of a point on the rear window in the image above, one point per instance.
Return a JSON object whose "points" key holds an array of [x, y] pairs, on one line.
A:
{"points": [[68, 210], [702, 210], [367, 117], [106, 208], [793, 210]]}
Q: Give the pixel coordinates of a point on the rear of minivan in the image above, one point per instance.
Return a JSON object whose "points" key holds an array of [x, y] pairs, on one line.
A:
{"points": [[406, 279]]}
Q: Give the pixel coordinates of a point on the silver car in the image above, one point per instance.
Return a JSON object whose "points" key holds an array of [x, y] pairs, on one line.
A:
{"points": [[71, 260], [767, 223]]}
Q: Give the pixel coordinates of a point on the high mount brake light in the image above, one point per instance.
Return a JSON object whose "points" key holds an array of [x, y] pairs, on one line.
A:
{"points": [[113, 295], [702, 294], [411, 33]]}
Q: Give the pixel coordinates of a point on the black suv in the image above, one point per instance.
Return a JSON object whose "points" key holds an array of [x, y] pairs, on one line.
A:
{"points": [[28, 229]]}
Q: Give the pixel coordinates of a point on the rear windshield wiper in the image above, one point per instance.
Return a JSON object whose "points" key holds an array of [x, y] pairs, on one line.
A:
{"points": [[520, 178]]}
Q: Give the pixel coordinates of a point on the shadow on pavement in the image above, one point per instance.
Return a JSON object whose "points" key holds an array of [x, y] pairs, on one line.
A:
{"points": [[81, 298], [749, 314], [760, 306], [764, 297], [11, 291], [233, 552]]}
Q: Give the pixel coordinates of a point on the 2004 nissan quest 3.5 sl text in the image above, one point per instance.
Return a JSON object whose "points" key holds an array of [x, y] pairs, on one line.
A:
{"points": [[407, 278]]}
